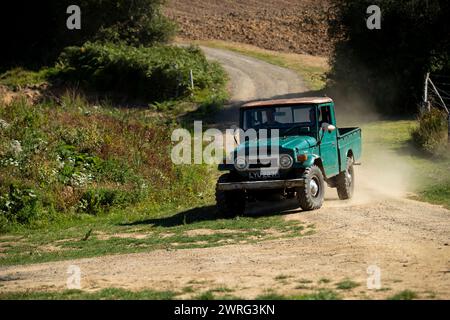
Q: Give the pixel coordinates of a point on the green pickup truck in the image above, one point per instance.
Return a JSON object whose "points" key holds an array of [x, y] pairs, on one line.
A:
{"points": [[301, 150]]}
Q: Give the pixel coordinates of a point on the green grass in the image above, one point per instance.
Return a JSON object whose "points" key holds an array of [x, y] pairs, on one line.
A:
{"points": [[390, 142], [318, 295], [19, 78], [105, 294], [208, 295], [310, 68], [282, 277], [346, 285], [122, 294], [188, 289], [305, 281], [221, 290], [439, 194], [324, 281], [404, 295], [148, 230]]}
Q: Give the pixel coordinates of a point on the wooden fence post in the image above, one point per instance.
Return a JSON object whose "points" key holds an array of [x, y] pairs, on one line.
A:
{"points": [[191, 78]]}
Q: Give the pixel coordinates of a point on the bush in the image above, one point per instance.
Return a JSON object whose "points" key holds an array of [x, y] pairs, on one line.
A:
{"points": [[71, 157], [157, 73], [431, 134], [19, 205], [95, 201]]}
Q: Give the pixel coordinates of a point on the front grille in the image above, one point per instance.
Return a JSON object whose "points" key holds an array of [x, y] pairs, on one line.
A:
{"points": [[261, 165]]}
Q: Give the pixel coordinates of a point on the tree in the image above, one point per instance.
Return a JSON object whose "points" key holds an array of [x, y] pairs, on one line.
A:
{"points": [[387, 66], [34, 32]]}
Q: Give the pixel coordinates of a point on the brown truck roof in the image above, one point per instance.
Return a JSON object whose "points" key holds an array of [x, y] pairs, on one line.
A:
{"points": [[278, 102]]}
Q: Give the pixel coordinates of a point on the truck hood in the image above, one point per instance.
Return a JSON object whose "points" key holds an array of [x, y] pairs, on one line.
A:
{"points": [[288, 143]]}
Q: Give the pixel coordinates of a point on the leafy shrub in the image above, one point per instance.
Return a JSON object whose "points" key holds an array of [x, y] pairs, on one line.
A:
{"points": [[18, 77], [76, 168], [157, 73], [19, 205], [431, 134], [95, 201], [123, 161]]}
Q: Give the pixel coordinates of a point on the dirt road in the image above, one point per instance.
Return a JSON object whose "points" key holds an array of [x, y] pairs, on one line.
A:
{"points": [[407, 240], [252, 79]]}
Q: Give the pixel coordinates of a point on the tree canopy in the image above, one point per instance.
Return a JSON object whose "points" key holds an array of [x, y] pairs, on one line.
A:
{"points": [[35, 32], [387, 66]]}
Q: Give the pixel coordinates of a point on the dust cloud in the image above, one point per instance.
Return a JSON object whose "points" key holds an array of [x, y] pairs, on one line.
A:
{"points": [[384, 173]]}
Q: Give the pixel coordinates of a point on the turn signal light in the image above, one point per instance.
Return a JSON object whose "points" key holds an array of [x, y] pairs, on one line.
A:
{"points": [[302, 157]]}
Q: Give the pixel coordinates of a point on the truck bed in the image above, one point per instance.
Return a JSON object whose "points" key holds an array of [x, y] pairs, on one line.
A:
{"points": [[344, 131], [349, 139]]}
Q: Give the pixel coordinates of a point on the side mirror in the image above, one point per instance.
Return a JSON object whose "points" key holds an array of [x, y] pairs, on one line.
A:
{"points": [[328, 127]]}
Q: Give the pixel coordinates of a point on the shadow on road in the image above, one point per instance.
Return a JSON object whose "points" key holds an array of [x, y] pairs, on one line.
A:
{"points": [[209, 213]]}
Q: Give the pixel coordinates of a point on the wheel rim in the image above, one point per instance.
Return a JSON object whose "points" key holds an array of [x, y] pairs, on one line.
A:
{"points": [[349, 176], [314, 187]]}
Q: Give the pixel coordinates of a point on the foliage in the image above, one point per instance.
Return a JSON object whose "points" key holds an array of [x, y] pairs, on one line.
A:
{"points": [[19, 205], [157, 73], [404, 295], [17, 78], [386, 67], [37, 32], [96, 200], [346, 284], [431, 134], [104, 294], [71, 158]]}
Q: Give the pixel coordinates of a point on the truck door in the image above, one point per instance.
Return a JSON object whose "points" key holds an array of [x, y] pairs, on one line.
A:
{"points": [[328, 147]]}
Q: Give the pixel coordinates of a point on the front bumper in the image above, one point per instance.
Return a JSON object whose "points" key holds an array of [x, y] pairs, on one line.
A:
{"points": [[261, 185]]}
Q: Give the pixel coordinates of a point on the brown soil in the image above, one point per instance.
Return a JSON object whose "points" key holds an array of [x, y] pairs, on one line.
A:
{"points": [[281, 25]]}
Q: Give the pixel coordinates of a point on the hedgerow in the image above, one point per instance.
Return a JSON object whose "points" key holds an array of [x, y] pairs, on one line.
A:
{"points": [[154, 73], [62, 160]]}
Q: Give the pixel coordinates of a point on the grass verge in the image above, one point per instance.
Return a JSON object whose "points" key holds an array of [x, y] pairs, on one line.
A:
{"points": [[426, 178], [145, 230], [105, 294], [404, 295], [322, 294]]}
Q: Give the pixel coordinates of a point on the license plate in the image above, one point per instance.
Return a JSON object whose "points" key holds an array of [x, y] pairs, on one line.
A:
{"points": [[265, 173]]}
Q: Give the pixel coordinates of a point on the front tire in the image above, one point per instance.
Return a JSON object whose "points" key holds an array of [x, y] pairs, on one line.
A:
{"points": [[312, 194], [230, 203], [345, 181]]}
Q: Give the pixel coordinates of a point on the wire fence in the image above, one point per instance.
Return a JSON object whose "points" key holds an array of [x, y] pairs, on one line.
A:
{"points": [[437, 92]]}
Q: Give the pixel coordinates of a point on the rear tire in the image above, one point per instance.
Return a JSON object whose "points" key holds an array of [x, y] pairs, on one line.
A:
{"points": [[311, 195], [345, 181], [230, 203]]}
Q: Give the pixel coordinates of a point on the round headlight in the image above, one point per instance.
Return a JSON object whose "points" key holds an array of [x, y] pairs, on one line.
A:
{"points": [[240, 163], [286, 161]]}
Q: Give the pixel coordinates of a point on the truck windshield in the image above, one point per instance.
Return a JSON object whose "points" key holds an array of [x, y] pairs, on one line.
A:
{"points": [[282, 118]]}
